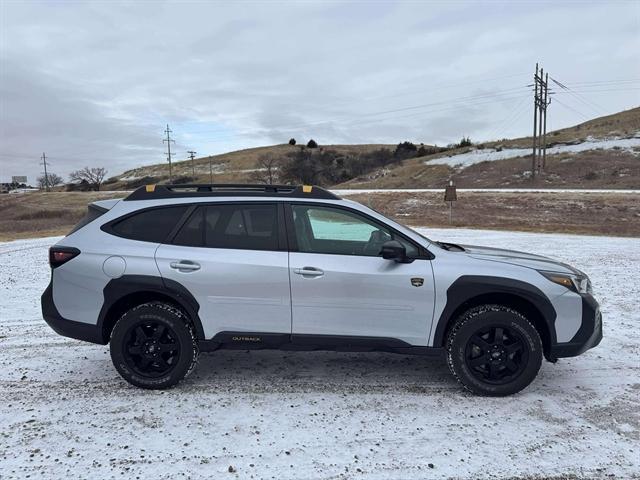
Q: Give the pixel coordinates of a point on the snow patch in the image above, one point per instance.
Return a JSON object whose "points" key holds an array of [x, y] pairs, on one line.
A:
{"points": [[464, 160]]}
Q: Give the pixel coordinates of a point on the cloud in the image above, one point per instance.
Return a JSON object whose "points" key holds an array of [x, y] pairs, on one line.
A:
{"points": [[95, 83]]}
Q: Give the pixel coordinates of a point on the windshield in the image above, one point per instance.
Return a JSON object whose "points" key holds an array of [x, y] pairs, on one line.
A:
{"points": [[405, 226]]}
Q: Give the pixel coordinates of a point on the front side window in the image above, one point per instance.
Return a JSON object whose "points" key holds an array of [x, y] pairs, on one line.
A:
{"points": [[242, 226], [341, 232], [152, 225]]}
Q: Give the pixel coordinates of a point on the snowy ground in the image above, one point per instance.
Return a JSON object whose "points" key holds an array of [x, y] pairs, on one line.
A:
{"points": [[65, 412], [464, 160]]}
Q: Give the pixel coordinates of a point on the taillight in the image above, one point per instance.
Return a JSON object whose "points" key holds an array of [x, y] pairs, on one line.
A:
{"points": [[61, 255]]}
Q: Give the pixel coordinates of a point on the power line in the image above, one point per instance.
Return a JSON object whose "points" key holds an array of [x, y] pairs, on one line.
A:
{"points": [[572, 109], [594, 106], [362, 120], [466, 100]]}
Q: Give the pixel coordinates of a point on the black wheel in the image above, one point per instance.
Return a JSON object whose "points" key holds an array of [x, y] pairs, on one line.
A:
{"points": [[153, 346], [494, 350]]}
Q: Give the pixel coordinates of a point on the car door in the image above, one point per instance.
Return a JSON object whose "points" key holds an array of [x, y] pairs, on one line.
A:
{"points": [[233, 260], [340, 285]]}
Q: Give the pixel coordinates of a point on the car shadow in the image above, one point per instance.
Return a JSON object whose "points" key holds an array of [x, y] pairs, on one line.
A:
{"points": [[286, 371]]}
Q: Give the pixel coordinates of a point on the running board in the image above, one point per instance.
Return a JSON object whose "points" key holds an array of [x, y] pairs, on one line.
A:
{"points": [[299, 342]]}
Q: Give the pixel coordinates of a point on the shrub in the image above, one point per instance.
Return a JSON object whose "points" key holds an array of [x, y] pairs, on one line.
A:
{"points": [[405, 150], [292, 141], [465, 142], [312, 144]]}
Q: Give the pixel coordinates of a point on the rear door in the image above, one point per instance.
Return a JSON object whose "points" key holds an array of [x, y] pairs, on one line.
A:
{"points": [[233, 260], [341, 286]]}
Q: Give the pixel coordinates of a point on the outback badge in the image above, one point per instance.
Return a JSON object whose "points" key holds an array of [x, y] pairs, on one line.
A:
{"points": [[417, 281]]}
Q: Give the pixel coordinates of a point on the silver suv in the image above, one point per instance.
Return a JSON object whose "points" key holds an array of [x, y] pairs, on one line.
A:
{"points": [[173, 270]]}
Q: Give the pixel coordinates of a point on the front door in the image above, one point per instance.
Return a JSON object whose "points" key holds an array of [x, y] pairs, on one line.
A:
{"points": [[341, 286], [233, 260]]}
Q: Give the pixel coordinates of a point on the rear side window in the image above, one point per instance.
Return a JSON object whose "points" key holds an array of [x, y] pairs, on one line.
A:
{"points": [[93, 212], [243, 226], [153, 225]]}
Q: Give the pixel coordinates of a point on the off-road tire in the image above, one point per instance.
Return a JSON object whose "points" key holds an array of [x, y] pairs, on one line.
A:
{"points": [[178, 334], [487, 318]]}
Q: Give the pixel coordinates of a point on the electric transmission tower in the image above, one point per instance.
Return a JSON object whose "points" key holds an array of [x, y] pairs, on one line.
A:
{"points": [[192, 155], [169, 140]]}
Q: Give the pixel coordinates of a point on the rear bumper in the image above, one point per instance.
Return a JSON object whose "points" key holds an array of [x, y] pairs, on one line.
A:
{"points": [[589, 334], [68, 328]]}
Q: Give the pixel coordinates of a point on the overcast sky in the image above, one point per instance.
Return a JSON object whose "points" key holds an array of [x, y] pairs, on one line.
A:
{"points": [[95, 83]]}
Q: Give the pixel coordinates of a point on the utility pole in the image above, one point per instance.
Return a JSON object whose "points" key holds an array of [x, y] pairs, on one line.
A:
{"points": [[546, 102], [46, 176], [541, 114], [535, 121], [210, 171], [540, 102], [192, 154], [168, 140]]}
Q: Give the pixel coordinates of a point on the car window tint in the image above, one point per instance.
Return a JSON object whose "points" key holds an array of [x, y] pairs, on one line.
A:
{"points": [[152, 225], [252, 227], [192, 232], [341, 232]]}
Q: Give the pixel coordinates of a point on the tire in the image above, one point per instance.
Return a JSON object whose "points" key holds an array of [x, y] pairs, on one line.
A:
{"points": [[493, 350], [154, 346]]}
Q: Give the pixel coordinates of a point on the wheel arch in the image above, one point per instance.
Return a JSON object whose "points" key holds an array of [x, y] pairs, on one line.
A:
{"points": [[471, 291], [128, 291]]}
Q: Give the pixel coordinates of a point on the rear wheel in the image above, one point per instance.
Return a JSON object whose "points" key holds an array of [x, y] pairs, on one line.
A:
{"points": [[153, 346], [494, 350]]}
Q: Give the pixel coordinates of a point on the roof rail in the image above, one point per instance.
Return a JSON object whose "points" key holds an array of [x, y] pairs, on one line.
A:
{"points": [[153, 192]]}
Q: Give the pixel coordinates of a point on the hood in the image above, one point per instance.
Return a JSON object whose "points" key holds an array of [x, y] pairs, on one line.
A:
{"points": [[522, 259]]}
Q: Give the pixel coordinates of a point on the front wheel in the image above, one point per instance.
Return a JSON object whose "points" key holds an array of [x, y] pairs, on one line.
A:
{"points": [[493, 350], [153, 346]]}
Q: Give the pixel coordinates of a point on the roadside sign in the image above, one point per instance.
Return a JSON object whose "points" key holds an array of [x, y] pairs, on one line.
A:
{"points": [[19, 179], [450, 196]]}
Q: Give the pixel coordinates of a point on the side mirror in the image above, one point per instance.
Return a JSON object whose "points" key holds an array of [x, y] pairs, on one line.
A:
{"points": [[393, 250]]}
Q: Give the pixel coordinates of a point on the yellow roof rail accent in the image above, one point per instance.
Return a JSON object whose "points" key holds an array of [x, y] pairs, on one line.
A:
{"points": [[307, 188], [151, 188]]}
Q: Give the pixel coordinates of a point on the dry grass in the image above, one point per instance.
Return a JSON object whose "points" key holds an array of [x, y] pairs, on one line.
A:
{"points": [[231, 167], [583, 213], [590, 169], [44, 214]]}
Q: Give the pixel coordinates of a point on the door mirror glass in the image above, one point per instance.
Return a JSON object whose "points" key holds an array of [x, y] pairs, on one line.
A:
{"points": [[394, 250]]}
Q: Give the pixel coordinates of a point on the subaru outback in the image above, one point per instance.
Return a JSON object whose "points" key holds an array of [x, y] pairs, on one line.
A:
{"points": [[173, 270]]}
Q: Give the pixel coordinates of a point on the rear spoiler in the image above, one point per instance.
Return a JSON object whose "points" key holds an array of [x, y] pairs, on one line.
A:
{"points": [[104, 205]]}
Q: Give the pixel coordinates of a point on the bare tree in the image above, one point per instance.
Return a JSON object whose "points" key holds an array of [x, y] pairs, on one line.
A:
{"points": [[93, 176], [266, 169], [53, 178]]}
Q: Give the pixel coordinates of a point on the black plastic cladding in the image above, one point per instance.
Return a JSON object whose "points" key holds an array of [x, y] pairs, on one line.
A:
{"points": [[229, 190]]}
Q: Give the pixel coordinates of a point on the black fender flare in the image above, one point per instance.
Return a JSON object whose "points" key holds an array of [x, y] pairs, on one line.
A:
{"points": [[469, 287], [126, 285]]}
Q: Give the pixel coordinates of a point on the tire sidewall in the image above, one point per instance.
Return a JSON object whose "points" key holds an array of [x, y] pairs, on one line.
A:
{"points": [[474, 321], [170, 319]]}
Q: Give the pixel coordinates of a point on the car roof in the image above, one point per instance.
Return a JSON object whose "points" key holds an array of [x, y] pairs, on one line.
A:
{"points": [[156, 192]]}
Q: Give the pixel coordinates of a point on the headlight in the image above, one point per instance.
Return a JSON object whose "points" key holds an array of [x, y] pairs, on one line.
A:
{"points": [[576, 283]]}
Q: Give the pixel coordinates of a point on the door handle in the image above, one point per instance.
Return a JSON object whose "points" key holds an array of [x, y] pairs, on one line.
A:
{"points": [[185, 265], [309, 271]]}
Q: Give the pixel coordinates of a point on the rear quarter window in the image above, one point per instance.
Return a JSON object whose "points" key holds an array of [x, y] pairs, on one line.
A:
{"points": [[93, 212], [153, 225]]}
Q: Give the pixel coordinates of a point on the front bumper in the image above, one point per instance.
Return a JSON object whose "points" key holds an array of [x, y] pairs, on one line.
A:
{"points": [[589, 334], [68, 328]]}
